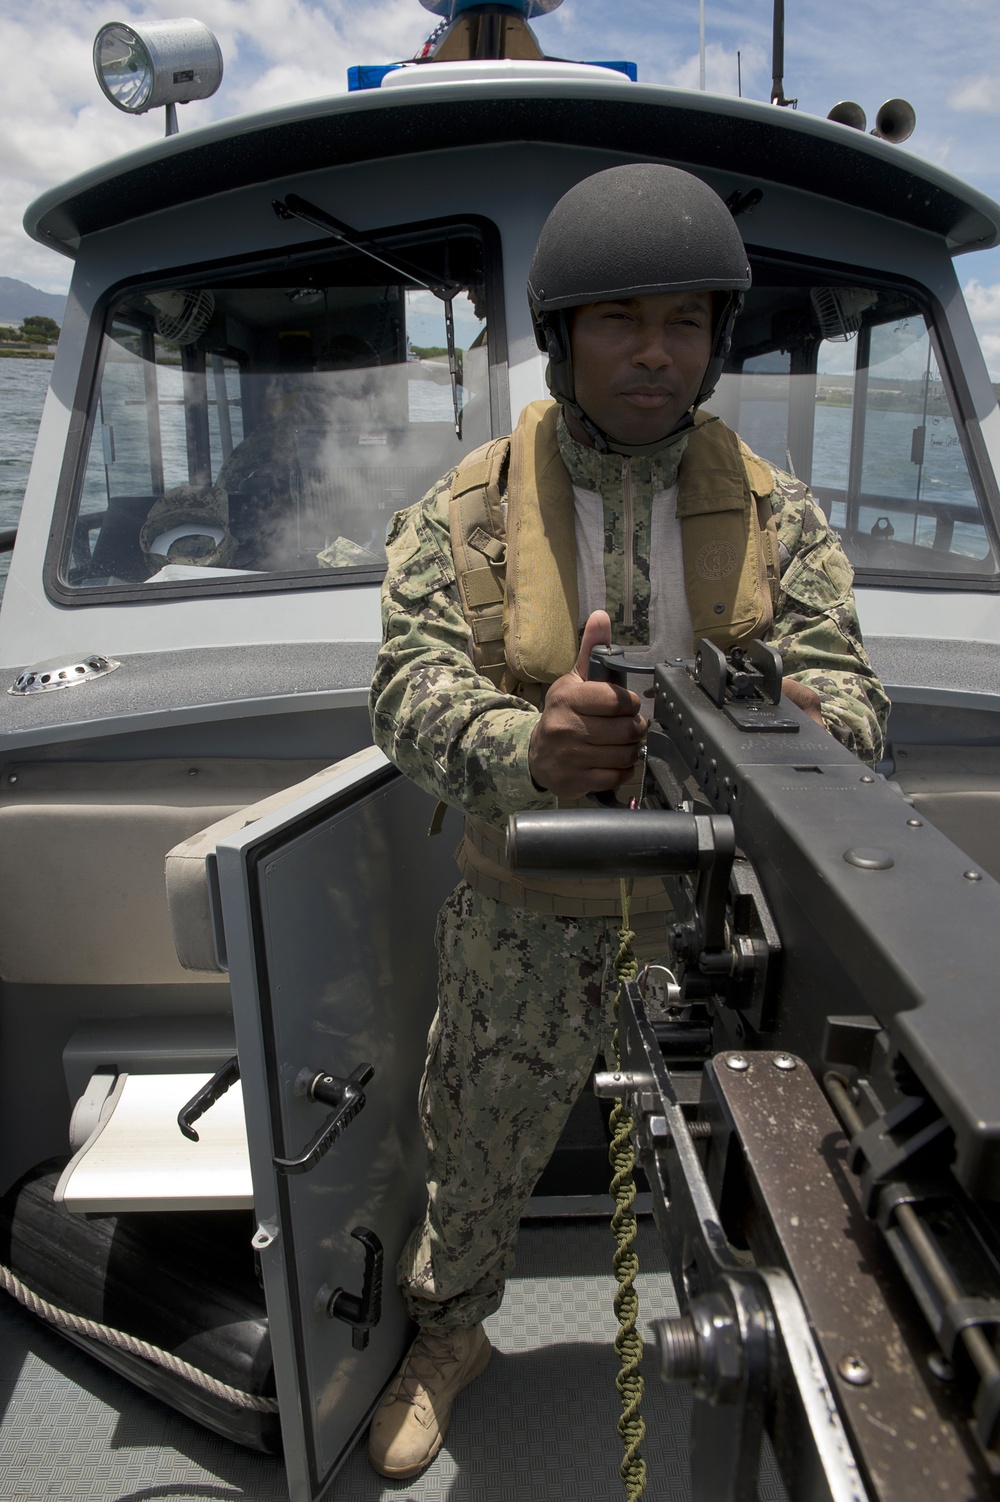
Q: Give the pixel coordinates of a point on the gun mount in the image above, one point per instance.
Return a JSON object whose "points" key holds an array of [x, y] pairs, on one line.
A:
{"points": [[826, 1184]]}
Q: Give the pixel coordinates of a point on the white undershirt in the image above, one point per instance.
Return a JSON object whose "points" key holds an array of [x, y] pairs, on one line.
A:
{"points": [[670, 628]]}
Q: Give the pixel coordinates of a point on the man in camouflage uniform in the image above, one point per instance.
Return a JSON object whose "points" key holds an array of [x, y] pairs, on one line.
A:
{"points": [[526, 985]]}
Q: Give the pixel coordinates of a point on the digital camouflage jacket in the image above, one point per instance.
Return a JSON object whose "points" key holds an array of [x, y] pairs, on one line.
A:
{"points": [[465, 742]]}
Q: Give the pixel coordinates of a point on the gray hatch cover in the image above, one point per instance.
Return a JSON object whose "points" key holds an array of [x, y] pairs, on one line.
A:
{"points": [[328, 909]]}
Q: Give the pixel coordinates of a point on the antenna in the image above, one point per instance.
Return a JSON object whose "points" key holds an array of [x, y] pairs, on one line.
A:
{"points": [[778, 57], [701, 45]]}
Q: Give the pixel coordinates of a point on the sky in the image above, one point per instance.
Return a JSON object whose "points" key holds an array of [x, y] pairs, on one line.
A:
{"points": [[943, 58]]}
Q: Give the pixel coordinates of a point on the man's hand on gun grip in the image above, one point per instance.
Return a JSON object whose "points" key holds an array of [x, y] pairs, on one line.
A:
{"points": [[806, 698], [588, 736]]}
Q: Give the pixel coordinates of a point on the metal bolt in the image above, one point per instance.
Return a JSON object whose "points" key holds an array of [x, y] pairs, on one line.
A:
{"points": [[866, 778], [870, 858], [783, 1061], [973, 875], [660, 1132], [737, 1061], [855, 1371], [915, 823], [680, 1359], [12, 778], [940, 1367]]}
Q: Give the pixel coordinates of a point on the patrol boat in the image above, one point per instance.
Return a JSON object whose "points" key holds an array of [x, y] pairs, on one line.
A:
{"points": [[218, 898]]}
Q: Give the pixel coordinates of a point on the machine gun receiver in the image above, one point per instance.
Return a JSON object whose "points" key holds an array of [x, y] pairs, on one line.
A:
{"points": [[864, 1335]]}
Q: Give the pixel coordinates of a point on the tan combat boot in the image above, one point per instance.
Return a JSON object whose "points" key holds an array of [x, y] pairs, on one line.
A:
{"points": [[411, 1421]]}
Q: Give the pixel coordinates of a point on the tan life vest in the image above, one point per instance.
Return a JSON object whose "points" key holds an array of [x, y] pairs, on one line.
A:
{"points": [[518, 586]]}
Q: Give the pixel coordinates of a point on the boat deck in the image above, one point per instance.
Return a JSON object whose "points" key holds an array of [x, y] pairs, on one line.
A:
{"points": [[540, 1422]]}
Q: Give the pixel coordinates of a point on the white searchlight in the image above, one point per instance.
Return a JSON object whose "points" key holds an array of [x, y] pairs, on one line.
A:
{"points": [[162, 63]]}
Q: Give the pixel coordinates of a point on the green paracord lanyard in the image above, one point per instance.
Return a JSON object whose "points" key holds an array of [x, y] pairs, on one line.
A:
{"points": [[628, 1341]]}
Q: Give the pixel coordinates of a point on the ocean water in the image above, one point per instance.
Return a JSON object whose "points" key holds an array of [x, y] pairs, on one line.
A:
{"points": [[888, 471], [23, 384], [888, 468]]}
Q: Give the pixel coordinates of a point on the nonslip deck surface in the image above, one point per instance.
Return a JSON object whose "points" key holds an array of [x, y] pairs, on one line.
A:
{"points": [[539, 1424]]}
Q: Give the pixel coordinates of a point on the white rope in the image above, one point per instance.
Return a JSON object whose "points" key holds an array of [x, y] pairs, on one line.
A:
{"points": [[121, 1342]]}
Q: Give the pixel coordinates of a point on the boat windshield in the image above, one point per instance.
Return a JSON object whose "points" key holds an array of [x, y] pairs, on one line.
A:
{"points": [[271, 422], [845, 387]]}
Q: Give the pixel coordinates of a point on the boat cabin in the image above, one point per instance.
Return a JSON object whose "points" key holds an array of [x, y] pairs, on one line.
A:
{"points": [[281, 330]]}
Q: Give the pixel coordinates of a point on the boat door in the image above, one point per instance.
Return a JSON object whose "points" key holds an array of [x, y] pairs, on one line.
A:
{"points": [[327, 918]]}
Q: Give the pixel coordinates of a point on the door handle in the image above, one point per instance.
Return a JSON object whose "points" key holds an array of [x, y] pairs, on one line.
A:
{"points": [[347, 1098], [362, 1311], [221, 1081]]}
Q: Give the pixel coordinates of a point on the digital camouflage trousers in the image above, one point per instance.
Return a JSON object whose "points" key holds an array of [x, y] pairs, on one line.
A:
{"points": [[525, 1005]]}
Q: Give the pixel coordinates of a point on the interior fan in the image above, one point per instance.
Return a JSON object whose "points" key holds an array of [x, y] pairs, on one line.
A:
{"points": [[838, 310], [182, 316]]}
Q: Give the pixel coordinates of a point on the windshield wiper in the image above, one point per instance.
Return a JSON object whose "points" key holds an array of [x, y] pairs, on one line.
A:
{"points": [[294, 207]]}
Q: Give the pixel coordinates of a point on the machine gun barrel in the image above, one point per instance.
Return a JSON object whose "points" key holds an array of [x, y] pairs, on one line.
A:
{"points": [[616, 841]]}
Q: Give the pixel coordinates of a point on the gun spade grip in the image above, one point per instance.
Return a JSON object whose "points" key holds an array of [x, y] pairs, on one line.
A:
{"points": [[609, 842], [607, 665]]}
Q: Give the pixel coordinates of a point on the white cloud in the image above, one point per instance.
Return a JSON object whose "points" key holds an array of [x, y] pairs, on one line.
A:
{"points": [[723, 75], [55, 123], [984, 309], [978, 94]]}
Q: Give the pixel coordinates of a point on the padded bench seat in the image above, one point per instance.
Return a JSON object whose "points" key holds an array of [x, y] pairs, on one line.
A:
{"points": [[187, 877], [82, 847]]}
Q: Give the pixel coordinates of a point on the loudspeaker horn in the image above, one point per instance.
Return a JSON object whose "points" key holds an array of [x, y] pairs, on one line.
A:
{"points": [[848, 113], [895, 121]]}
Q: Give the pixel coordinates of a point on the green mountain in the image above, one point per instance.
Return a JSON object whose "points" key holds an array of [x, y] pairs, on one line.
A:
{"points": [[20, 300]]}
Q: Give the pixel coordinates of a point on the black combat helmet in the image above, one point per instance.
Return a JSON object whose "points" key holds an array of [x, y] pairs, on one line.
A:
{"points": [[628, 232]]}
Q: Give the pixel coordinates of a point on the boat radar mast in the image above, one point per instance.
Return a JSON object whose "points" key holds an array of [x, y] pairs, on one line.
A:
{"points": [[497, 29]]}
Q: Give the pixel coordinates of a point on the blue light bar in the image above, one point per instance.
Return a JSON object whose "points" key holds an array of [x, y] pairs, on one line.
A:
{"points": [[368, 75]]}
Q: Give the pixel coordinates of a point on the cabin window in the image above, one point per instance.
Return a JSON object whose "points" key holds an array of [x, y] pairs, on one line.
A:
{"points": [[843, 386], [272, 422]]}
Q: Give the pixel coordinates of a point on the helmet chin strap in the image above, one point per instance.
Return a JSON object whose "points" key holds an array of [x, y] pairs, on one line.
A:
{"points": [[605, 444]]}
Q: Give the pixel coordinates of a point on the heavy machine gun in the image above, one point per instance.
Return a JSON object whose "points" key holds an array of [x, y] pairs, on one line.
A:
{"points": [[818, 1107]]}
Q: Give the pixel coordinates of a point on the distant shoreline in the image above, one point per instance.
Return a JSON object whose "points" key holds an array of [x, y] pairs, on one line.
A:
{"points": [[840, 400]]}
